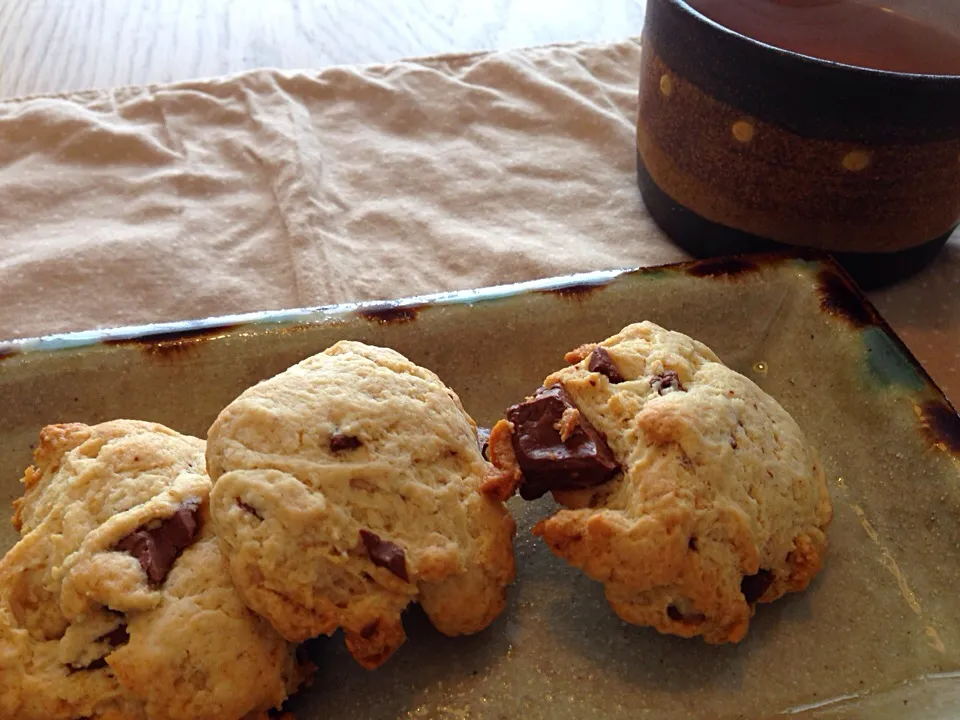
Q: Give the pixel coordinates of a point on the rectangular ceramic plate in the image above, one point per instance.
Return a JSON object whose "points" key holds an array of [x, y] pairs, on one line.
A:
{"points": [[876, 636]]}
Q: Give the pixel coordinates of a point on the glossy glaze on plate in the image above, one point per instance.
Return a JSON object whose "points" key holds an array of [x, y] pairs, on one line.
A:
{"points": [[880, 626]]}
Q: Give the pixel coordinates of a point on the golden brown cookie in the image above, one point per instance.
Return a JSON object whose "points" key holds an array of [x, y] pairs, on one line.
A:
{"points": [[689, 492], [116, 602], [346, 488]]}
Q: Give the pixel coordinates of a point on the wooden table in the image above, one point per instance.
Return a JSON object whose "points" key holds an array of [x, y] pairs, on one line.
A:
{"points": [[62, 45]]}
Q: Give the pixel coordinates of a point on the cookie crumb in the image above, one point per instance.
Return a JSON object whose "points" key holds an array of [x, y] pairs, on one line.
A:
{"points": [[502, 482], [579, 354], [567, 423]]}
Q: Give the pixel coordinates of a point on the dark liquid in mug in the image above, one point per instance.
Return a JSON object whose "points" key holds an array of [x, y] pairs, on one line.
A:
{"points": [[844, 31]]}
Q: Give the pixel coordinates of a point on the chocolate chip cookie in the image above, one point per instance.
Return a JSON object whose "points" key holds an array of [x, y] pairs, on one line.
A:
{"points": [[116, 603], [346, 488], [689, 492]]}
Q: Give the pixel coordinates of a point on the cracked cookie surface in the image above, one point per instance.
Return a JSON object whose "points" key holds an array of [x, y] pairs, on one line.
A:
{"points": [[346, 488], [116, 603], [717, 501]]}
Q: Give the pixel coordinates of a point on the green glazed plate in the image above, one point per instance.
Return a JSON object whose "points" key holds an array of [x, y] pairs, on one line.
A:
{"points": [[877, 635]]}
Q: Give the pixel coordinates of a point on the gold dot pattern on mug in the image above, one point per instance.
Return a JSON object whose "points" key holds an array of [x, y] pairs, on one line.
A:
{"points": [[743, 131], [856, 160], [666, 85]]}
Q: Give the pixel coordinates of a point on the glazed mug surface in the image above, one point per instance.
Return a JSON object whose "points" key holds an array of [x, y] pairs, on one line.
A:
{"points": [[742, 147]]}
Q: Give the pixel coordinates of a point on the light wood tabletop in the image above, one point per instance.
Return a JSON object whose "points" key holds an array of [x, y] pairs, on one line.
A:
{"points": [[51, 46]]}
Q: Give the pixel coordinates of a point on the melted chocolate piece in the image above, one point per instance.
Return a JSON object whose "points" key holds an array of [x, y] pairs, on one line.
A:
{"points": [[339, 441], [158, 547], [601, 362], [548, 462], [667, 381], [385, 554], [754, 586]]}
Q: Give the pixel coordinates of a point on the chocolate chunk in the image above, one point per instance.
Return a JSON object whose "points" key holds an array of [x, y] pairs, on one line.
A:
{"points": [[483, 439], [248, 508], [385, 554], [601, 362], [549, 462], [339, 441], [754, 586], [665, 382], [117, 637], [158, 547]]}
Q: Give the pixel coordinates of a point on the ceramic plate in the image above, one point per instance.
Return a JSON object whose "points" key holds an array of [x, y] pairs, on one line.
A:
{"points": [[877, 635]]}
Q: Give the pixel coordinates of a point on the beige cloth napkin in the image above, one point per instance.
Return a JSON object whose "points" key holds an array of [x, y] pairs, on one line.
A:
{"points": [[275, 190]]}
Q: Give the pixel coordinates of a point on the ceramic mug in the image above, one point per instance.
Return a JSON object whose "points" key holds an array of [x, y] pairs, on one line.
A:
{"points": [[745, 147]]}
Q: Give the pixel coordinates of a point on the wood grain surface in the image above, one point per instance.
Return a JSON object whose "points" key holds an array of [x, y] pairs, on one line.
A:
{"points": [[62, 45]]}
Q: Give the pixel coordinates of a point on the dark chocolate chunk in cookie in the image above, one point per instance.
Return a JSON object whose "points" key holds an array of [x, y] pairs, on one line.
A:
{"points": [[556, 447], [754, 586], [385, 554], [601, 362], [247, 507], [339, 441], [665, 382], [159, 546], [117, 637]]}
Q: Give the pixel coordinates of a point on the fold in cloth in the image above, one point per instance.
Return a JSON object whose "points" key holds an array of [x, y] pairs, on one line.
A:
{"points": [[273, 190]]}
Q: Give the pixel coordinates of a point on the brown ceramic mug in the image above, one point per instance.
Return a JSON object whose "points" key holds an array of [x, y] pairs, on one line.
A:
{"points": [[742, 147]]}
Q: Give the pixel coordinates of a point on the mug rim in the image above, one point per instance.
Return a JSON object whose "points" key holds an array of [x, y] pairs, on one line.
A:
{"points": [[809, 96], [685, 6]]}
